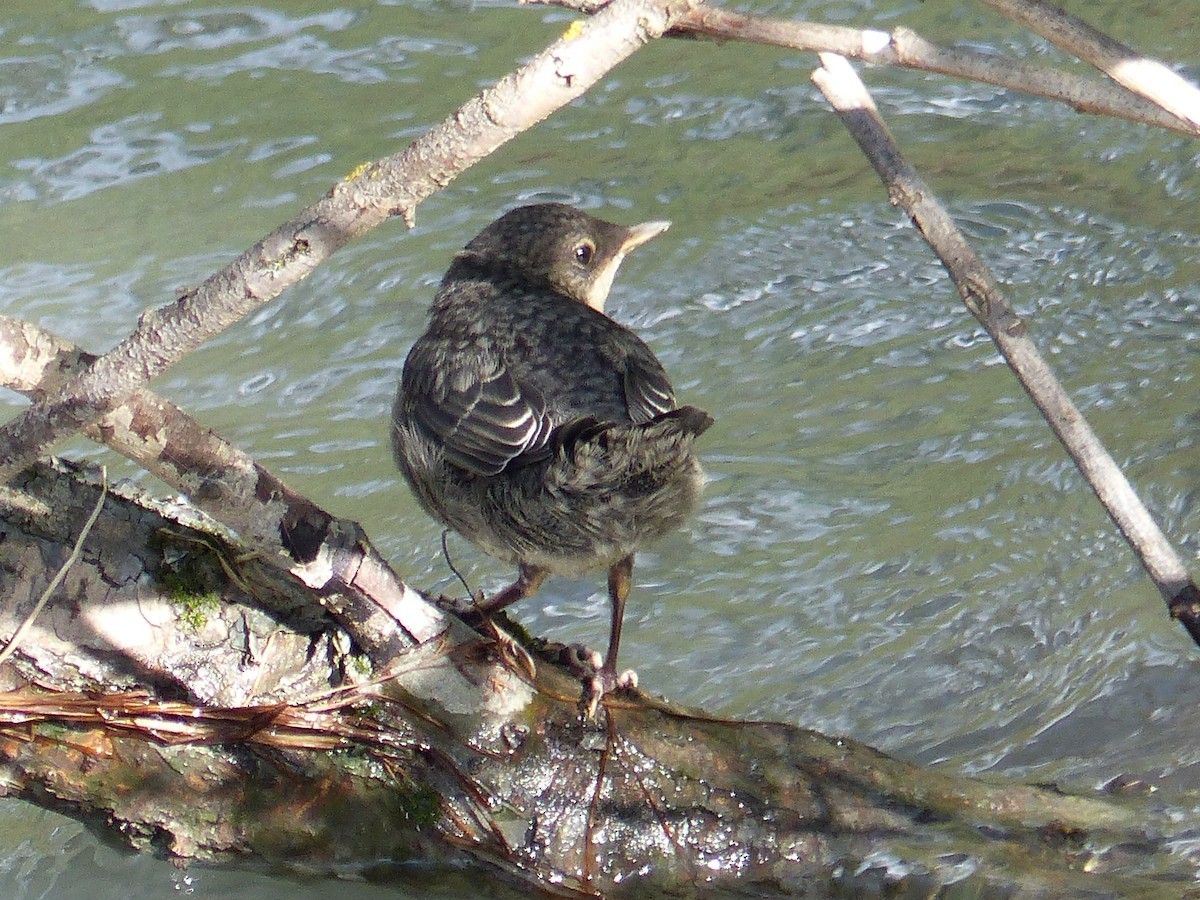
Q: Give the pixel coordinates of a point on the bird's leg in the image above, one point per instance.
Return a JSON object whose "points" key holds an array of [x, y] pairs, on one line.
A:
{"points": [[620, 579], [605, 681], [529, 579]]}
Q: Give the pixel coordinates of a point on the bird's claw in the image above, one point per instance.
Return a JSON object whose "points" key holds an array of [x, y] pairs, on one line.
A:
{"points": [[581, 660], [603, 682], [511, 650]]}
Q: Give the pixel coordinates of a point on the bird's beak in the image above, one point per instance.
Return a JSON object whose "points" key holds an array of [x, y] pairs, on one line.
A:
{"points": [[636, 235]]}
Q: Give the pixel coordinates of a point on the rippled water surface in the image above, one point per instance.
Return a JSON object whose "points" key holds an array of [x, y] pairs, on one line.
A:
{"points": [[892, 545]]}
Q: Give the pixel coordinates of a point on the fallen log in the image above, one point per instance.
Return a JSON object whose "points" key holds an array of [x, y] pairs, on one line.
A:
{"points": [[189, 698]]}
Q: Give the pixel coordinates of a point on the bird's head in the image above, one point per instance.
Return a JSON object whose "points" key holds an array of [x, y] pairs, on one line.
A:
{"points": [[554, 244]]}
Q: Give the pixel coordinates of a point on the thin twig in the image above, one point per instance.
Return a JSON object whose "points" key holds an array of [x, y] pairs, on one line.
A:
{"points": [[453, 568], [982, 295], [1143, 76], [904, 48], [170, 722], [18, 635]]}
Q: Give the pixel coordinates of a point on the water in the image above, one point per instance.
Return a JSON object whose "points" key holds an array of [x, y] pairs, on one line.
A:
{"points": [[892, 545]]}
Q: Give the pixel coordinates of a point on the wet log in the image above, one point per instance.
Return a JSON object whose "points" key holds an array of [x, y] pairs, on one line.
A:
{"points": [[190, 698]]}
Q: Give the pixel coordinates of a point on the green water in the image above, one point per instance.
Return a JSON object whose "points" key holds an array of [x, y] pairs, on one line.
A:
{"points": [[892, 545]]}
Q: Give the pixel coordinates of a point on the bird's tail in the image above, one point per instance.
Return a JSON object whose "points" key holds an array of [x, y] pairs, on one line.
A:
{"points": [[686, 422], [633, 459], [688, 419]]}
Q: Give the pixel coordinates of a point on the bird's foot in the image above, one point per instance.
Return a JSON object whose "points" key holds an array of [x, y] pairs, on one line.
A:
{"points": [[511, 650], [580, 660], [596, 680], [604, 681]]}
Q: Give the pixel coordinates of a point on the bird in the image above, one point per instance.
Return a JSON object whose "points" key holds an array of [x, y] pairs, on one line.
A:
{"points": [[539, 428]]}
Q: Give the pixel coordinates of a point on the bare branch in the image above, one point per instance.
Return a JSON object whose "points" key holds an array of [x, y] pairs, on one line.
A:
{"points": [[982, 295], [288, 530], [907, 49], [373, 193], [1143, 76]]}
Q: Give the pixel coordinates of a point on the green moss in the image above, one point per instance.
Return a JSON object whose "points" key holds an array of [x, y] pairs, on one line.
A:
{"points": [[194, 609], [191, 582], [420, 805]]}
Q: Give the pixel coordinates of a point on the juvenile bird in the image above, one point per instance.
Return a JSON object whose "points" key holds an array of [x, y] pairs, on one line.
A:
{"points": [[537, 427]]}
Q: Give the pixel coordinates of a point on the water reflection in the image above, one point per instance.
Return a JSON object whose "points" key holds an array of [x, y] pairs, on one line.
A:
{"points": [[114, 154]]}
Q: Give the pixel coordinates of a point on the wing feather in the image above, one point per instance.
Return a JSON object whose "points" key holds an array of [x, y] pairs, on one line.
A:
{"points": [[648, 393], [483, 423]]}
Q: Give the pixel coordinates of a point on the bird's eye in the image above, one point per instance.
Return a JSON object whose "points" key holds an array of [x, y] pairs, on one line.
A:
{"points": [[584, 252]]}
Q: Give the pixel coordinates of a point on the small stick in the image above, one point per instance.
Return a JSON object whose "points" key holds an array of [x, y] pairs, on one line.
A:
{"points": [[76, 551], [1138, 74], [981, 293]]}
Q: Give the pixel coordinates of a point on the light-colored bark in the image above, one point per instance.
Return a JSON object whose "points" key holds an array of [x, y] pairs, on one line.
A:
{"points": [[286, 529], [905, 48], [1140, 75]]}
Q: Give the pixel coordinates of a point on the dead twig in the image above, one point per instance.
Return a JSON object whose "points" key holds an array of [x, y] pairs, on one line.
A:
{"points": [[904, 48], [138, 713], [23, 629], [982, 295]]}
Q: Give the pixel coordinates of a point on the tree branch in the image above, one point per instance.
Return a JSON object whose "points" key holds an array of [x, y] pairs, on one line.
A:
{"points": [[1142, 76], [370, 195], [287, 530], [982, 295], [158, 697], [905, 48]]}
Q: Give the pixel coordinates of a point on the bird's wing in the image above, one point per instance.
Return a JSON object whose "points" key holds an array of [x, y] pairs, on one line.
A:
{"points": [[483, 422], [648, 393]]}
